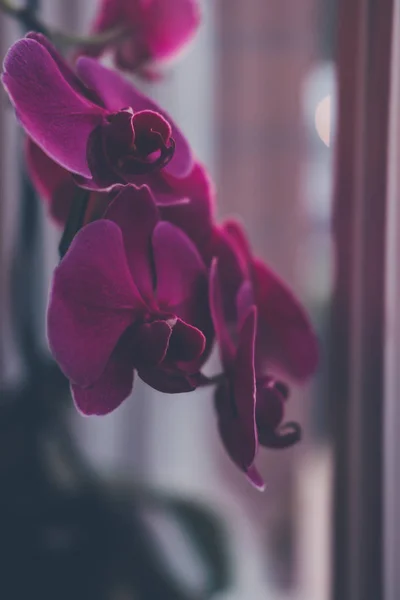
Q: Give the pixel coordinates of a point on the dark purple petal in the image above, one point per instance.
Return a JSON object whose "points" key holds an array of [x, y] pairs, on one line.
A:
{"points": [[243, 378], [98, 160], [187, 343], [169, 380], [119, 134], [223, 337], [236, 401], [136, 214], [53, 114], [92, 302], [232, 272], [117, 93], [269, 409], [151, 343], [148, 121], [111, 389], [179, 268], [255, 478], [152, 150], [285, 335]]}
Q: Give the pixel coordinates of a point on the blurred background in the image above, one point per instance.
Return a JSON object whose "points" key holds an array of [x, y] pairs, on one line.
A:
{"points": [[256, 96]]}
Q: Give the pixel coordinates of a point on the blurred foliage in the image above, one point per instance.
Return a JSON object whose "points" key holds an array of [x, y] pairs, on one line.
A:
{"points": [[67, 533]]}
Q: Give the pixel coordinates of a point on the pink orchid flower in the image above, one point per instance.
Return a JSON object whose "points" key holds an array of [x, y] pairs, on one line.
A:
{"points": [[258, 323], [130, 293], [92, 123], [152, 31]]}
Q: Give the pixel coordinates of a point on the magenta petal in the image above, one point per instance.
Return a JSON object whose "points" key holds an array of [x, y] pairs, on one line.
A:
{"points": [[236, 402], [117, 93], [195, 217], [179, 268], [232, 272], [62, 65], [146, 121], [53, 114], [236, 234], [108, 16], [255, 478], [285, 333], [110, 390], [136, 214], [244, 300], [168, 26], [217, 313], [187, 342], [51, 181], [151, 343], [169, 380], [46, 175], [92, 301], [243, 378]]}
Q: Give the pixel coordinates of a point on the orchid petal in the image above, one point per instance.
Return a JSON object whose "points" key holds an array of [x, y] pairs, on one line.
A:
{"points": [[92, 302], [224, 339], [169, 380], [238, 238], [244, 300], [117, 93], [169, 26], [152, 343], [285, 336], [236, 401], [179, 268], [187, 342], [196, 217], [255, 478], [110, 390], [269, 410], [232, 272], [63, 66], [51, 181], [136, 214], [53, 114]]}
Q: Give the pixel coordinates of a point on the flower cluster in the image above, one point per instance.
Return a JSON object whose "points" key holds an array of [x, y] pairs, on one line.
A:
{"points": [[150, 281]]}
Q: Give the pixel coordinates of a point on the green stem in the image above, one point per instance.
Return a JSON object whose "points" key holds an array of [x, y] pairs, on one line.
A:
{"points": [[99, 39], [28, 18]]}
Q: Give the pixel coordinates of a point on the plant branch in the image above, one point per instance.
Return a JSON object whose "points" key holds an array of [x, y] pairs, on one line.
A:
{"points": [[31, 22]]}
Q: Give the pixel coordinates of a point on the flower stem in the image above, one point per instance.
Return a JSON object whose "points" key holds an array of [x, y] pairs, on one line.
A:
{"points": [[75, 220], [28, 18], [25, 16]]}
